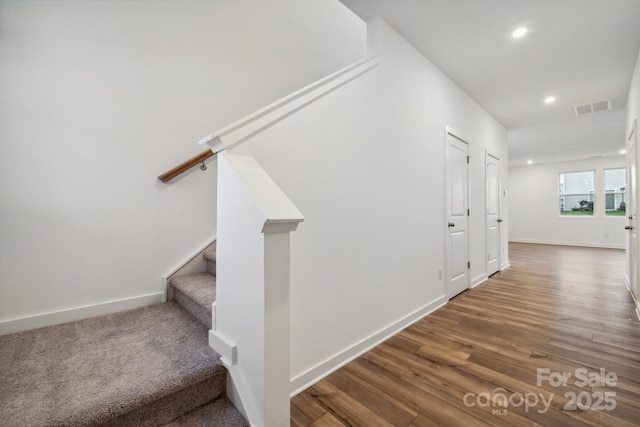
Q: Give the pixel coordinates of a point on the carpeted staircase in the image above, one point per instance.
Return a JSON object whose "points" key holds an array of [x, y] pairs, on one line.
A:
{"points": [[150, 366], [196, 292]]}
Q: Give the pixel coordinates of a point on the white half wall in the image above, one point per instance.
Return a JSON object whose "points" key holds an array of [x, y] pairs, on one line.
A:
{"points": [[97, 98], [365, 164], [534, 206]]}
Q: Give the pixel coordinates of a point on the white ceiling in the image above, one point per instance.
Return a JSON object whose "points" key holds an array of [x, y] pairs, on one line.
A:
{"points": [[580, 51]]}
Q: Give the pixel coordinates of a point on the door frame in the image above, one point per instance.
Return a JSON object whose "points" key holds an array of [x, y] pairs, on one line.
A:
{"points": [[456, 135], [488, 154], [633, 259]]}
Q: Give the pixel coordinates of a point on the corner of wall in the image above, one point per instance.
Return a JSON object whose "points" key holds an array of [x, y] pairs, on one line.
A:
{"points": [[373, 34]]}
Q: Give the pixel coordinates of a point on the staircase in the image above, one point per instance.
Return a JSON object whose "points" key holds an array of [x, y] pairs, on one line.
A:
{"points": [[196, 292], [151, 366]]}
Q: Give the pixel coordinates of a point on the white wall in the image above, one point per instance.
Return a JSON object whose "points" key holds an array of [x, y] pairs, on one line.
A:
{"points": [[97, 98], [535, 210], [365, 166]]}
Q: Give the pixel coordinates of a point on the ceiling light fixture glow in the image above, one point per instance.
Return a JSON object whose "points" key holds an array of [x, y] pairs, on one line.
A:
{"points": [[519, 32], [529, 162], [550, 100], [623, 151]]}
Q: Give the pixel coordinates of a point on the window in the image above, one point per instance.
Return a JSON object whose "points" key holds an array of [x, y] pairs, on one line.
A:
{"points": [[577, 193], [615, 191]]}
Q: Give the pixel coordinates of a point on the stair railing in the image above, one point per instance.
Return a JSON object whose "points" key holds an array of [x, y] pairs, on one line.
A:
{"points": [[185, 166], [251, 315], [266, 117]]}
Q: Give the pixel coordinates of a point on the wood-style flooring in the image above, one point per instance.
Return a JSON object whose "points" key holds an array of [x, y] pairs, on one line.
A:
{"points": [[474, 362]]}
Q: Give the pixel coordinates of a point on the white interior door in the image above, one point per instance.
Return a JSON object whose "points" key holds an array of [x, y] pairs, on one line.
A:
{"points": [[493, 213], [632, 207], [457, 215]]}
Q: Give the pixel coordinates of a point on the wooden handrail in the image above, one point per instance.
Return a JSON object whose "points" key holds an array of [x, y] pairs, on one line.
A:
{"points": [[182, 167]]}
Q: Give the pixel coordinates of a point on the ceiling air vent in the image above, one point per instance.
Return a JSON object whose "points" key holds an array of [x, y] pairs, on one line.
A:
{"points": [[596, 107]]}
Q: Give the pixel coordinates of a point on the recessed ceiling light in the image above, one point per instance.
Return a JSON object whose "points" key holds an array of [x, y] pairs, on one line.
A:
{"points": [[519, 32], [623, 151], [529, 162], [550, 100]]}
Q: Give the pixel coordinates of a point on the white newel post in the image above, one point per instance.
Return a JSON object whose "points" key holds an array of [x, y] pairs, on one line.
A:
{"points": [[251, 314]]}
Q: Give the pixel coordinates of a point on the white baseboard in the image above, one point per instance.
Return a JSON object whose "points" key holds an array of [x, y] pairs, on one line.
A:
{"points": [[552, 242], [505, 265], [321, 370], [77, 313], [478, 280], [636, 301]]}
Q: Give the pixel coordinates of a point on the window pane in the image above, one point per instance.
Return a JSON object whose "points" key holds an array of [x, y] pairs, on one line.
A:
{"points": [[615, 180], [577, 193], [577, 204], [615, 183], [577, 182]]}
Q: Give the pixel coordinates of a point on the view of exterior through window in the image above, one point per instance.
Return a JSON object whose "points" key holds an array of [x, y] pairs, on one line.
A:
{"points": [[577, 193], [615, 189]]}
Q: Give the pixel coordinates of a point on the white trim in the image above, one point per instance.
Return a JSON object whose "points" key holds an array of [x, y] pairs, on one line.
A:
{"points": [[500, 225], [321, 370], [266, 117], [449, 131], [505, 265], [166, 289], [636, 302], [625, 279], [550, 242], [224, 347], [478, 280], [78, 313], [213, 316]]}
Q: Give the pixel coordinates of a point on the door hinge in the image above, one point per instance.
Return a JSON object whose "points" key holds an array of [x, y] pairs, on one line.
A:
{"points": [[468, 157], [468, 264], [468, 212]]}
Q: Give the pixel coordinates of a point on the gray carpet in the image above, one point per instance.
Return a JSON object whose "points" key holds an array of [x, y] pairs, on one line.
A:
{"points": [[196, 292], [220, 413], [142, 367]]}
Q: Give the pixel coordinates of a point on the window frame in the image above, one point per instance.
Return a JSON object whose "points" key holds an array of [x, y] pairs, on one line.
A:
{"points": [[591, 196], [615, 193]]}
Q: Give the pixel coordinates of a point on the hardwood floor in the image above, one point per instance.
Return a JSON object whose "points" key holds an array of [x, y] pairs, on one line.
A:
{"points": [[475, 361]]}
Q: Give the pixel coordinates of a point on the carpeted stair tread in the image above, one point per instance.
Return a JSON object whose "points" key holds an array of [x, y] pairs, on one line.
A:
{"points": [[210, 253], [210, 257], [220, 413], [200, 287], [108, 369], [195, 293]]}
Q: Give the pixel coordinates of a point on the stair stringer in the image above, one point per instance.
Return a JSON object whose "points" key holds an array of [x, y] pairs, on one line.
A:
{"points": [[255, 123]]}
